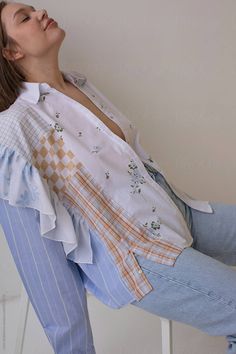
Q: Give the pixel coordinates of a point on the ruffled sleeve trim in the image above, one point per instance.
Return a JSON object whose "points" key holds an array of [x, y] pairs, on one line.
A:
{"points": [[23, 186]]}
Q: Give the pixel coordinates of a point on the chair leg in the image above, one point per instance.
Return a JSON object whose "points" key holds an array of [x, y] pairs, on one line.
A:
{"points": [[166, 336], [24, 309]]}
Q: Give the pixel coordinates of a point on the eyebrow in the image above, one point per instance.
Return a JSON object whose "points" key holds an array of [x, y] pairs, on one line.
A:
{"points": [[22, 9]]}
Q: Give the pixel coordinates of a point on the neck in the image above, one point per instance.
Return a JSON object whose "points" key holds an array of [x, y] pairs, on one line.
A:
{"points": [[51, 75]]}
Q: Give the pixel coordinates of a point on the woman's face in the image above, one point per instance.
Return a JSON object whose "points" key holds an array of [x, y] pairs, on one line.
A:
{"points": [[27, 28]]}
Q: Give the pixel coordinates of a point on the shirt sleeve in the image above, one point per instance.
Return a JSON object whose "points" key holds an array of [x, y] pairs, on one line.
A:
{"points": [[54, 285], [22, 186]]}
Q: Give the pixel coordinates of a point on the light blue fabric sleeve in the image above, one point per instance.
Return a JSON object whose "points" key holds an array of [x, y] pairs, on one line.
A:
{"points": [[53, 283], [22, 185]]}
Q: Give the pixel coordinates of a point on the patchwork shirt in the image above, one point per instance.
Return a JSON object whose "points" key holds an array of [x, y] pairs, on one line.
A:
{"points": [[56, 154]]}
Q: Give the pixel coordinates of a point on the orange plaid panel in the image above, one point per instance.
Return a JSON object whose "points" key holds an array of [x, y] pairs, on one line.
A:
{"points": [[54, 161]]}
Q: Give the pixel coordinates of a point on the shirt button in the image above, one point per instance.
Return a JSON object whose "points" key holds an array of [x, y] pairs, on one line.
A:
{"points": [[139, 271]]}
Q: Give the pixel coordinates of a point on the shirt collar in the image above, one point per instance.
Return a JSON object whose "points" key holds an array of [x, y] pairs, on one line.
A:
{"points": [[32, 91]]}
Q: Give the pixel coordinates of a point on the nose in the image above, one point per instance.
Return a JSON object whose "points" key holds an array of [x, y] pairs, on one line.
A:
{"points": [[42, 13], [45, 13]]}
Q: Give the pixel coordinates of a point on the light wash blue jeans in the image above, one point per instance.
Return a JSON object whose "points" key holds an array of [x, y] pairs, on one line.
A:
{"points": [[200, 289]]}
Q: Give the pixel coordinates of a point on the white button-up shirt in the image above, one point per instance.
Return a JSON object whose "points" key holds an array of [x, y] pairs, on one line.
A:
{"points": [[90, 167]]}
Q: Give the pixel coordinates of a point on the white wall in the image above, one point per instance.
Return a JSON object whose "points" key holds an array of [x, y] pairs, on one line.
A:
{"points": [[170, 66]]}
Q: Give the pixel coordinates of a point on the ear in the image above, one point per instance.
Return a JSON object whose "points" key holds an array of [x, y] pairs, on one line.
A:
{"points": [[11, 54]]}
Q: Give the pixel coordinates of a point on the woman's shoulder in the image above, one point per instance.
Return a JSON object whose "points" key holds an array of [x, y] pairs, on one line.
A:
{"points": [[15, 110], [21, 128]]}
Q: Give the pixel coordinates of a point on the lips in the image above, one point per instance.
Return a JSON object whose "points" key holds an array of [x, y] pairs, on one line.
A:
{"points": [[48, 23]]}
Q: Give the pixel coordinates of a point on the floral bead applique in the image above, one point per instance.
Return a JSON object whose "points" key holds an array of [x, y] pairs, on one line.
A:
{"points": [[58, 128], [153, 226], [107, 174], [96, 149], [136, 177]]}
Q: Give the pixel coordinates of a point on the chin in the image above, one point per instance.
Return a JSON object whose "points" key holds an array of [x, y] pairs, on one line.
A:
{"points": [[62, 31], [59, 35]]}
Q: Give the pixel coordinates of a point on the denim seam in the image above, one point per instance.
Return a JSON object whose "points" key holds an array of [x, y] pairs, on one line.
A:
{"points": [[209, 294]]}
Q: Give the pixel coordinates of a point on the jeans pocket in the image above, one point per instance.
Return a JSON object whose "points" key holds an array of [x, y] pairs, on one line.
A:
{"points": [[149, 266]]}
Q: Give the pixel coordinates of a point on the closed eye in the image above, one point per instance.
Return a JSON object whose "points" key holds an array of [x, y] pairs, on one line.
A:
{"points": [[25, 19]]}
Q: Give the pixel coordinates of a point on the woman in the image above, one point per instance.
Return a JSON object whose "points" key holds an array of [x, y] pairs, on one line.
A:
{"points": [[73, 171]]}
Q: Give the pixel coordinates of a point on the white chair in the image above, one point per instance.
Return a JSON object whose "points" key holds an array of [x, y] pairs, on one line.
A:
{"points": [[166, 336], [23, 317], [166, 327]]}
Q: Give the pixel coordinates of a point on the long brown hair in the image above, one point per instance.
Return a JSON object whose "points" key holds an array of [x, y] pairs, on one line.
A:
{"points": [[11, 75]]}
